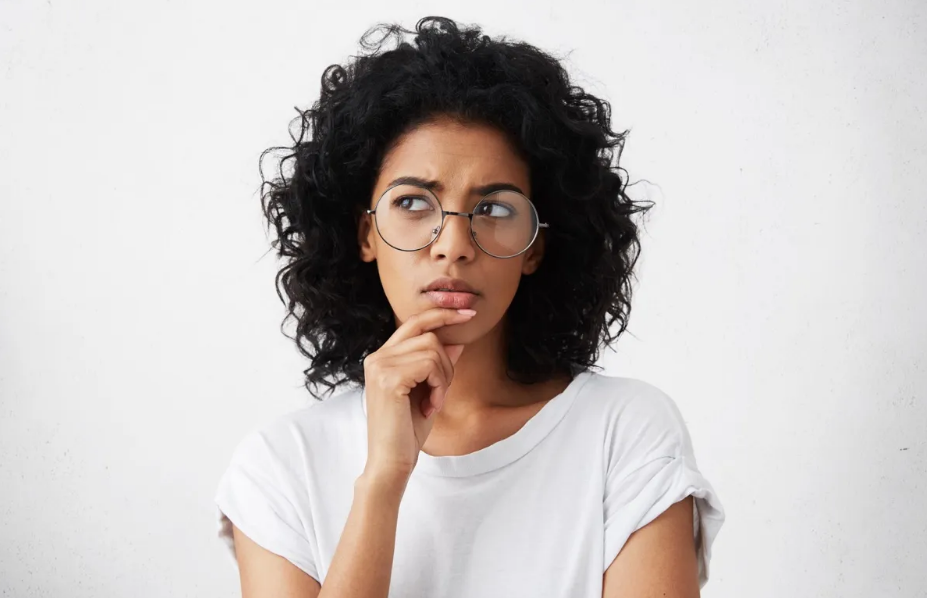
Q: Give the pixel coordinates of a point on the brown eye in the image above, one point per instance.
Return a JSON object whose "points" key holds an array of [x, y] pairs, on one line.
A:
{"points": [[503, 211], [399, 202]]}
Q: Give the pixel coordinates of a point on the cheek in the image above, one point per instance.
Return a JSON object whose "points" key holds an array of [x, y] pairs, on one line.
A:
{"points": [[399, 285], [501, 284]]}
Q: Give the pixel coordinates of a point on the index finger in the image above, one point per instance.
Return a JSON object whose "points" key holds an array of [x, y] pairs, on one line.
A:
{"points": [[425, 321]]}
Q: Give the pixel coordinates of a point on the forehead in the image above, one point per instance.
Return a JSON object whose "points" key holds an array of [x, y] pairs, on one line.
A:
{"points": [[458, 155]]}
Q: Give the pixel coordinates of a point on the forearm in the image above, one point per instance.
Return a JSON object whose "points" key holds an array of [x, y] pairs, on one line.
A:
{"points": [[363, 559]]}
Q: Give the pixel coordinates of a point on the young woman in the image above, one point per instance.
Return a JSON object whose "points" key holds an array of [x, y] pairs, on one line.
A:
{"points": [[458, 243]]}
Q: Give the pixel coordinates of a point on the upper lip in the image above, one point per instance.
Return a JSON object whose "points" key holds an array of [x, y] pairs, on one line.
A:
{"points": [[451, 284]]}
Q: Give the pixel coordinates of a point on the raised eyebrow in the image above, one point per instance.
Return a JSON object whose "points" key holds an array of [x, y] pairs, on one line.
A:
{"points": [[432, 185], [487, 189]]}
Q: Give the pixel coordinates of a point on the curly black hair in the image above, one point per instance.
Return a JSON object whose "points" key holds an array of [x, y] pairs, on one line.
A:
{"points": [[559, 314]]}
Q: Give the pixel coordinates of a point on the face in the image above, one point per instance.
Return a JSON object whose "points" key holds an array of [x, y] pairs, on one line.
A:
{"points": [[459, 157]]}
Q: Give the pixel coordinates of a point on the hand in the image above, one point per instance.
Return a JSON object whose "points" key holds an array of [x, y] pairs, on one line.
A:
{"points": [[406, 381]]}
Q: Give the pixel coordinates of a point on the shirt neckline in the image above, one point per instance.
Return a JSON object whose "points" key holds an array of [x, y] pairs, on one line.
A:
{"points": [[507, 450]]}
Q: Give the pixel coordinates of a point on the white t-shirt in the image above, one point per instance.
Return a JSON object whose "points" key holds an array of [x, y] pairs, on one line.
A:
{"points": [[541, 513]]}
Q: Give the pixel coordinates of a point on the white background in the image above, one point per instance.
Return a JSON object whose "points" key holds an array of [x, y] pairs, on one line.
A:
{"points": [[781, 296]]}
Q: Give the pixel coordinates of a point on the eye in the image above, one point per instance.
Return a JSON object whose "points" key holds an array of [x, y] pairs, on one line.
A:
{"points": [[487, 208], [399, 201]]}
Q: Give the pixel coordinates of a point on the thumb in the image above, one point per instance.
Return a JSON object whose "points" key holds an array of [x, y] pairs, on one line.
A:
{"points": [[454, 351]]}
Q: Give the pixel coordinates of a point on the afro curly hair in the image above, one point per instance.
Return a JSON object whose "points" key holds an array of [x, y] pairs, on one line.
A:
{"points": [[560, 314]]}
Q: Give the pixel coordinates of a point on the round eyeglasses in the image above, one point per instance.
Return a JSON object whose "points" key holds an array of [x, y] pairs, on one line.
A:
{"points": [[503, 224]]}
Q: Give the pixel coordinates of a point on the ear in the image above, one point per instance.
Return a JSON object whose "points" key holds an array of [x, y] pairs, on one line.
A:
{"points": [[365, 236], [535, 254]]}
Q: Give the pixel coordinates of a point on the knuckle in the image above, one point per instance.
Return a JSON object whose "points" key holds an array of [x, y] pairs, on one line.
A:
{"points": [[438, 361]]}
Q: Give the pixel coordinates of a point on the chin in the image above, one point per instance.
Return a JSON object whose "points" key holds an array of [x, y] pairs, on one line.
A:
{"points": [[454, 335]]}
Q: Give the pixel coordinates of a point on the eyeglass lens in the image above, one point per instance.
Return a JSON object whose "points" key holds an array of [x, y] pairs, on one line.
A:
{"points": [[408, 217]]}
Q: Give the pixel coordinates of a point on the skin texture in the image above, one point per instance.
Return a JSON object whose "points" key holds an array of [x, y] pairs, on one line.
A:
{"points": [[658, 560], [482, 406]]}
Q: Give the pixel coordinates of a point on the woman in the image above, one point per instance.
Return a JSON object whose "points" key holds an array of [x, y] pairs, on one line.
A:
{"points": [[458, 244]]}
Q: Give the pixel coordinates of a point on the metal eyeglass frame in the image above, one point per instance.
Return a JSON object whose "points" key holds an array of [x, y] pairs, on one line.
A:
{"points": [[469, 215]]}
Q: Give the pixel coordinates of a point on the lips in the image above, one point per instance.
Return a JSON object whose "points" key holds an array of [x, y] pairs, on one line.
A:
{"points": [[453, 293], [451, 299], [446, 284]]}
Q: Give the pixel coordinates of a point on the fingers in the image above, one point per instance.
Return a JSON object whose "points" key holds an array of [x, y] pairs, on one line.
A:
{"points": [[427, 342], [426, 321], [420, 366], [413, 354]]}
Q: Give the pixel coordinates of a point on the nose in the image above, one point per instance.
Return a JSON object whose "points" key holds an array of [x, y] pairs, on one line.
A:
{"points": [[454, 241]]}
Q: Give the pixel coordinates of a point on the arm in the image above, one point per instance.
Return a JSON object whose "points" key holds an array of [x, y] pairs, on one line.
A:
{"points": [[363, 560], [658, 560], [264, 573]]}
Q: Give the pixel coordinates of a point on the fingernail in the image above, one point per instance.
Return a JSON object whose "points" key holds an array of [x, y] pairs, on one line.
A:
{"points": [[467, 312]]}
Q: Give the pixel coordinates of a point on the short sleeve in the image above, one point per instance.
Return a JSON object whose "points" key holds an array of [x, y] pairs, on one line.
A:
{"points": [[258, 494], [651, 467]]}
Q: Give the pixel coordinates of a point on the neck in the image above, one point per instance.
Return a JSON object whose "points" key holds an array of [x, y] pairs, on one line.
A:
{"points": [[480, 386]]}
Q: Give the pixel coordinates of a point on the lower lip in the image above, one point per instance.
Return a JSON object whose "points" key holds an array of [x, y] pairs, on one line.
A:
{"points": [[454, 300]]}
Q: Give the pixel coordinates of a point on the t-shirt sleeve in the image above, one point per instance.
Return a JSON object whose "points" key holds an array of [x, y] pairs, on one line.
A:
{"points": [[259, 495], [651, 466]]}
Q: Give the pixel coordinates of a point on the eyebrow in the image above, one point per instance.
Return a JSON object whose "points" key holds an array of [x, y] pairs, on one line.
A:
{"points": [[437, 186]]}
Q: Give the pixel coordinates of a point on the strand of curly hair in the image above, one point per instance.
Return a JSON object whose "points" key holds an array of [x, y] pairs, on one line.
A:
{"points": [[563, 312]]}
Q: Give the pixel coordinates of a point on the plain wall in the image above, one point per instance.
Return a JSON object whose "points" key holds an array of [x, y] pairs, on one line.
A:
{"points": [[780, 295]]}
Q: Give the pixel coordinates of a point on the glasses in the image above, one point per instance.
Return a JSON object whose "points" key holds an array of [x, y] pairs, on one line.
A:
{"points": [[503, 224]]}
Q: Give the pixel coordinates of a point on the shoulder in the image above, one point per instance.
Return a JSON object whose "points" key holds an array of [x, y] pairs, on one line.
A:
{"points": [[617, 390], [641, 420], [268, 487], [285, 439], [650, 465], [626, 401]]}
